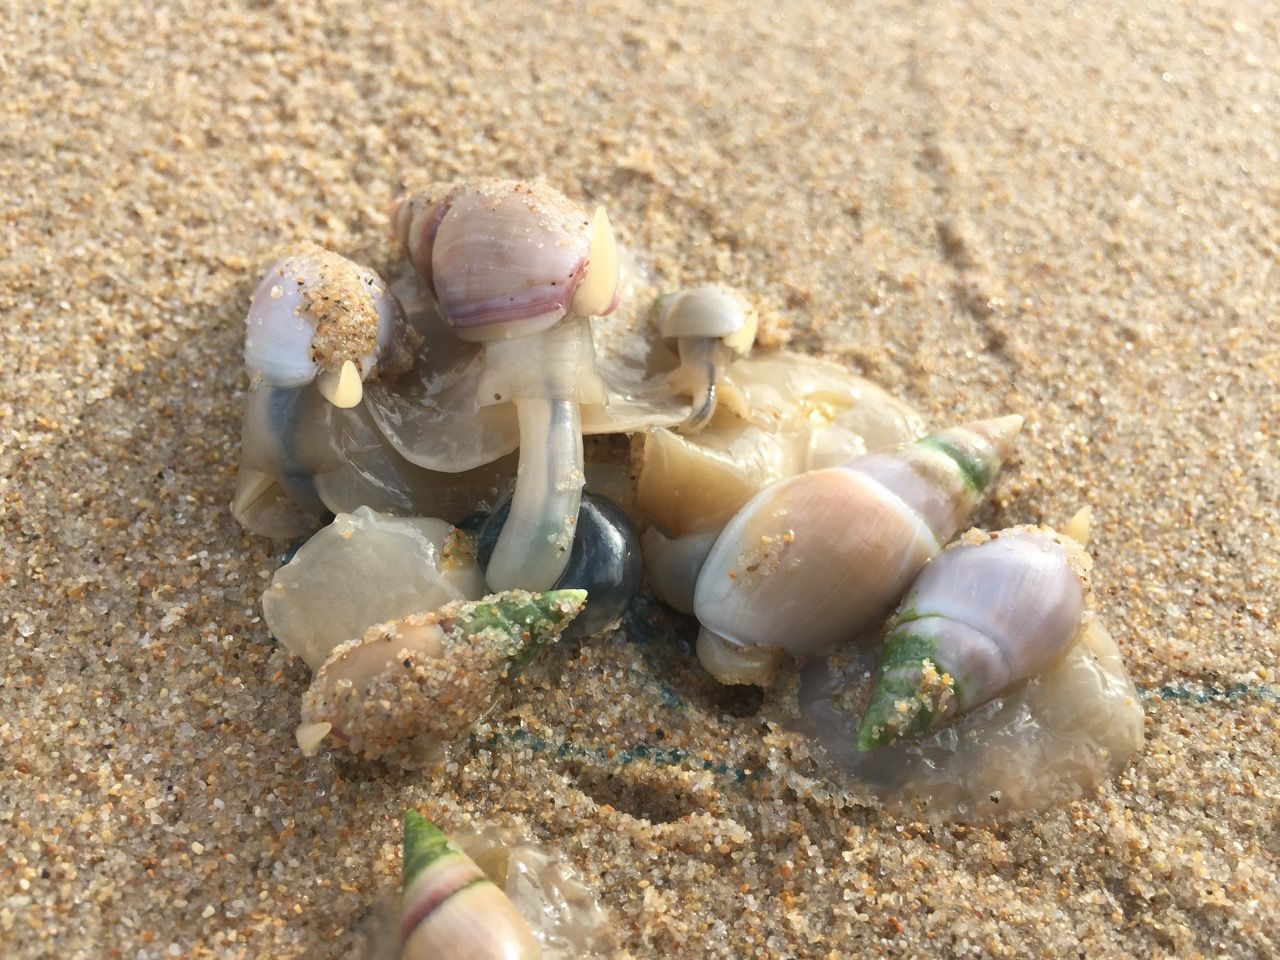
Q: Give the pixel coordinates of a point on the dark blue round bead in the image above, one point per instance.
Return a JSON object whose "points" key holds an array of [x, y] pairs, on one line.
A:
{"points": [[605, 561]]}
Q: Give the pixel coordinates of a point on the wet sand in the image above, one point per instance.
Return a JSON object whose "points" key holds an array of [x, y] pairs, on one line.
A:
{"points": [[1067, 212]]}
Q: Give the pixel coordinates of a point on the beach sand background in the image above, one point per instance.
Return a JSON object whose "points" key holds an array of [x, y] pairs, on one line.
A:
{"points": [[1070, 211]]}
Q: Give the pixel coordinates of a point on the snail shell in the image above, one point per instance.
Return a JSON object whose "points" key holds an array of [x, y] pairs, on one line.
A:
{"points": [[712, 312], [409, 686], [317, 316], [985, 614], [506, 259], [450, 908], [813, 560]]}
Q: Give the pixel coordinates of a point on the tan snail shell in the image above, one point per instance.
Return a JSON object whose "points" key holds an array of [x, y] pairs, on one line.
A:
{"points": [[407, 687], [812, 561], [450, 908]]}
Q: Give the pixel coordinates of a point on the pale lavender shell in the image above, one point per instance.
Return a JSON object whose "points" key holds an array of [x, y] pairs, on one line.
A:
{"points": [[503, 257]]}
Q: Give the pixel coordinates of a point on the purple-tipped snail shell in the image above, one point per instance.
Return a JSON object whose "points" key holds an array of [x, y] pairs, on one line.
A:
{"points": [[507, 259], [986, 613]]}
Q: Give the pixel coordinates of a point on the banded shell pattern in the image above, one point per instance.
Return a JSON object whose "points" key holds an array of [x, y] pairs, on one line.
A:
{"points": [[507, 259], [450, 908]]}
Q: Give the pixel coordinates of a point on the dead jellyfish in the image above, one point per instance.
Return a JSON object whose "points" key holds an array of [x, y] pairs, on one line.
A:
{"points": [[407, 688], [366, 568], [996, 691], [835, 549]]}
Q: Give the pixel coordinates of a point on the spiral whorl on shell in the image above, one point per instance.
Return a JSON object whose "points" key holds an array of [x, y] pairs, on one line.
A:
{"points": [[814, 560], [450, 908], [988, 612]]}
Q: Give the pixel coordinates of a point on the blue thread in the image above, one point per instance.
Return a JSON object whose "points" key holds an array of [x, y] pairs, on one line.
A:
{"points": [[1212, 694]]}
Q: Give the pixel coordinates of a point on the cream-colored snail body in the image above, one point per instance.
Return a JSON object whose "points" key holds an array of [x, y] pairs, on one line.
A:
{"points": [[814, 560], [450, 908], [520, 268], [710, 326], [988, 612]]}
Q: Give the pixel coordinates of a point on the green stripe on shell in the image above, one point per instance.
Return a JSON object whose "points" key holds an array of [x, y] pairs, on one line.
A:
{"points": [[911, 693], [424, 844], [529, 624], [976, 474]]}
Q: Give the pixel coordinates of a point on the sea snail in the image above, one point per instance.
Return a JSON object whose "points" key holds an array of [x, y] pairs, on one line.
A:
{"points": [[317, 316], [408, 686], [449, 906], [710, 326], [520, 269], [814, 560], [985, 614], [317, 328]]}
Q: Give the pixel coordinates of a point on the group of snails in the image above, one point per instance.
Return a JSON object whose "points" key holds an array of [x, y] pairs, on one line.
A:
{"points": [[794, 509]]}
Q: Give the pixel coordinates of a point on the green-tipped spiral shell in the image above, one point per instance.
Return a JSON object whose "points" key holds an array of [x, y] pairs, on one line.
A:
{"points": [[986, 614], [449, 908], [411, 684]]}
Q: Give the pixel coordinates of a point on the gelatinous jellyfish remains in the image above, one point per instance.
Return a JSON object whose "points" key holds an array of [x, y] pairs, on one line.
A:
{"points": [[995, 691], [1055, 737], [366, 568], [562, 911]]}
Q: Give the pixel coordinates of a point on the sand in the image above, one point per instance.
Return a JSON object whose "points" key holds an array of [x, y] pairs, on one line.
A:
{"points": [[1066, 211]]}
